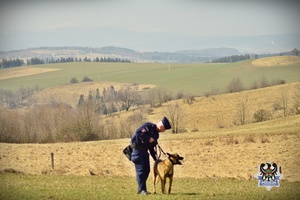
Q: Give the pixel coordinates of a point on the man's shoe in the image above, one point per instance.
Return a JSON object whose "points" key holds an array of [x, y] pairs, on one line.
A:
{"points": [[144, 192]]}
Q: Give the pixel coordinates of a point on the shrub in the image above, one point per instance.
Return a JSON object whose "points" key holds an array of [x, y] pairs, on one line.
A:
{"points": [[277, 106], [249, 138], [278, 82], [73, 80], [86, 79], [235, 85], [264, 139], [209, 142], [231, 140], [90, 137], [261, 115]]}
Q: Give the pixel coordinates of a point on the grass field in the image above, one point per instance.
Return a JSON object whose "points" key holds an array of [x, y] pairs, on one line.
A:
{"points": [[18, 186], [221, 158], [196, 78]]}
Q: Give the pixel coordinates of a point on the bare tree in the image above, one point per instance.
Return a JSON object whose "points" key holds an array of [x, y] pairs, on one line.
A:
{"points": [[188, 98], [254, 85], [128, 125], [110, 98], [176, 115], [264, 82], [151, 97], [242, 110], [161, 93], [261, 115], [295, 52], [284, 102], [128, 96], [235, 85], [86, 124], [296, 100]]}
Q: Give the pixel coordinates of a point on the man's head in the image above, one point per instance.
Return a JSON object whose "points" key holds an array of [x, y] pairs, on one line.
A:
{"points": [[163, 125]]}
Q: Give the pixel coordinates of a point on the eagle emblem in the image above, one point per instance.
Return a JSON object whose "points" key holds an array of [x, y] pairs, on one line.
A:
{"points": [[269, 175]]}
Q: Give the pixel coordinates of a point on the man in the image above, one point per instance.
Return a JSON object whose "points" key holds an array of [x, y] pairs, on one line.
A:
{"points": [[144, 139]]}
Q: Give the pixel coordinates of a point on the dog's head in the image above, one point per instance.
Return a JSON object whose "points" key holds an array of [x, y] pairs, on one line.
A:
{"points": [[175, 158]]}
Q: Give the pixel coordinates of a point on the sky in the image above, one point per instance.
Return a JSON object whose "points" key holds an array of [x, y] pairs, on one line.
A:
{"points": [[21, 20]]}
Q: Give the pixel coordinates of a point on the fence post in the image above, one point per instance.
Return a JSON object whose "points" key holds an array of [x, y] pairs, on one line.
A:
{"points": [[52, 160]]}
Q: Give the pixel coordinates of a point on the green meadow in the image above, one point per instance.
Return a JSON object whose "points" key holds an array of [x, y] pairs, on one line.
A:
{"points": [[196, 78], [18, 186]]}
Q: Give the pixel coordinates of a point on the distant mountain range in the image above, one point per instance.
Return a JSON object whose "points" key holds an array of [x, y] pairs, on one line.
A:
{"points": [[136, 46], [183, 56], [145, 42]]}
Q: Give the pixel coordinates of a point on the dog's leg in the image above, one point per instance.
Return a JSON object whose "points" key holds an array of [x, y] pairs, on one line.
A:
{"points": [[170, 184], [154, 188], [163, 185], [154, 182]]}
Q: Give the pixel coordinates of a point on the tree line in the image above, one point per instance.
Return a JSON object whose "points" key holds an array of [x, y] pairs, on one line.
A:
{"points": [[233, 58], [8, 63], [236, 58]]}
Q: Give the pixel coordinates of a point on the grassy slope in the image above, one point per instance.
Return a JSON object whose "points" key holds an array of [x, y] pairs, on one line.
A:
{"points": [[223, 153], [197, 78], [221, 110]]}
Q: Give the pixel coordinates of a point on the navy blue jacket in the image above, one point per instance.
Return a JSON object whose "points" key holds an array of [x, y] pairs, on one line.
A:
{"points": [[140, 138]]}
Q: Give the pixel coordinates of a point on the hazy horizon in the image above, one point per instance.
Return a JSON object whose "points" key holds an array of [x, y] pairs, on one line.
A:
{"points": [[141, 25]]}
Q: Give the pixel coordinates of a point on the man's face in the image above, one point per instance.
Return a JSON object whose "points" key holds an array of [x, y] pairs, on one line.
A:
{"points": [[161, 128]]}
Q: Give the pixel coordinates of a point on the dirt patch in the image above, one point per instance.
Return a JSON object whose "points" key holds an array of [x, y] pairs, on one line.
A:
{"points": [[22, 71], [276, 61]]}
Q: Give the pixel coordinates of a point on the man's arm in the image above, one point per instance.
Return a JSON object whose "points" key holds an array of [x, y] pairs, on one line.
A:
{"points": [[152, 151]]}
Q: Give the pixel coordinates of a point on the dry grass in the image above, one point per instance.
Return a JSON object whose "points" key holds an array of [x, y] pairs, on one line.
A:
{"points": [[224, 153], [22, 71], [276, 61], [221, 111]]}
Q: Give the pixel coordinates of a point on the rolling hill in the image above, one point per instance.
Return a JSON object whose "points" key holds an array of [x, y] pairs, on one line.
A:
{"points": [[214, 144], [195, 78], [231, 151]]}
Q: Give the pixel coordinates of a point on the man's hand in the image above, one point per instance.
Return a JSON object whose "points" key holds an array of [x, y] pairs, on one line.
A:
{"points": [[151, 140]]}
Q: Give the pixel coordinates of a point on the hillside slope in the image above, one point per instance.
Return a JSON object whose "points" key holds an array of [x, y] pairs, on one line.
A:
{"points": [[226, 153], [220, 111], [209, 152], [276, 61]]}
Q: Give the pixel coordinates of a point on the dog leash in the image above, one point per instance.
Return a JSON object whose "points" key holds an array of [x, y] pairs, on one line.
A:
{"points": [[160, 150]]}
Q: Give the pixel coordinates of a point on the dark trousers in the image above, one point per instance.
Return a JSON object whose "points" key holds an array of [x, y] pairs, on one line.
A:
{"points": [[140, 158]]}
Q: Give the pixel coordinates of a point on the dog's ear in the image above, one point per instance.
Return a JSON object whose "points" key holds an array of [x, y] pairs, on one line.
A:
{"points": [[181, 158]]}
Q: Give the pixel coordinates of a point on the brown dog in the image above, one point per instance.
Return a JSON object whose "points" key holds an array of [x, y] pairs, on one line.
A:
{"points": [[164, 169]]}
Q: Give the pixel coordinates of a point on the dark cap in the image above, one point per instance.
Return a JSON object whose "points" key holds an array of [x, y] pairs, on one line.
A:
{"points": [[166, 123]]}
